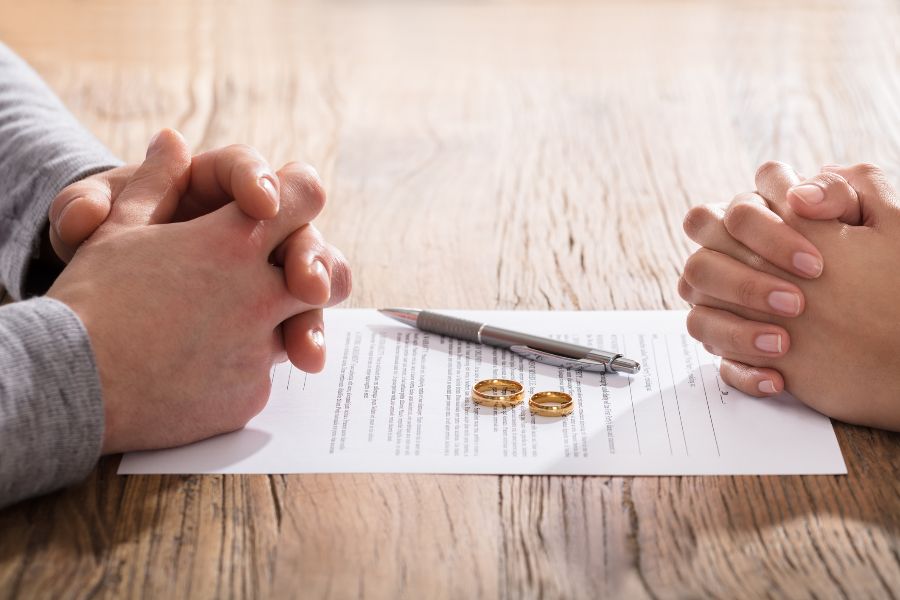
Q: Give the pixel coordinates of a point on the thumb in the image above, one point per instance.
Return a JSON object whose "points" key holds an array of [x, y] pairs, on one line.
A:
{"points": [[152, 194], [825, 196], [76, 213], [877, 198]]}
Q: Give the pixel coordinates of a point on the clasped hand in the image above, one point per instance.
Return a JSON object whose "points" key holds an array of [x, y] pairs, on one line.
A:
{"points": [[796, 286], [192, 277]]}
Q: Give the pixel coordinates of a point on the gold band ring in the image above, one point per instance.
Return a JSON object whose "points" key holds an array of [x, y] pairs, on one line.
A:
{"points": [[551, 404], [498, 393]]}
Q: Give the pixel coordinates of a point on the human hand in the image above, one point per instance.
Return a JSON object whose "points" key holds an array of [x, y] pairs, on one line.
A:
{"points": [[765, 241], [314, 270], [185, 318], [216, 177], [851, 319]]}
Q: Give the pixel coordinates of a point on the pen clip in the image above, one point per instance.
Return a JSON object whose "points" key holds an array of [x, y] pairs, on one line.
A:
{"points": [[565, 362]]}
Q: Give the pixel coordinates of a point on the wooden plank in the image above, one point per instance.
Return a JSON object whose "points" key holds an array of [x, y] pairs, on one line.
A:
{"points": [[534, 155]]}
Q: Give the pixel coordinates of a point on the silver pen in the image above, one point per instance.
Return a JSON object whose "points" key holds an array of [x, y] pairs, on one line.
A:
{"points": [[532, 347]]}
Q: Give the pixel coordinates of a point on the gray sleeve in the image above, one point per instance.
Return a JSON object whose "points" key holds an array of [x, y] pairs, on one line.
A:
{"points": [[42, 150], [51, 414], [51, 409]]}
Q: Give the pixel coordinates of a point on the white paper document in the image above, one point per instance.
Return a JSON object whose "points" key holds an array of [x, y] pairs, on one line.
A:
{"points": [[393, 399]]}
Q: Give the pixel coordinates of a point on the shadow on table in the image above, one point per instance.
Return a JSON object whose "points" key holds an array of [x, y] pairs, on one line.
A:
{"points": [[88, 520], [754, 514]]}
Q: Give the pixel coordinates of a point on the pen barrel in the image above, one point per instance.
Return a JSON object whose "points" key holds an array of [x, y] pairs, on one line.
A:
{"points": [[449, 326], [497, 336], [480, 333]]}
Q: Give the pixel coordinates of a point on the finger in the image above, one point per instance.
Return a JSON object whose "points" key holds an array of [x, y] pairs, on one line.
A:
{"points": [[877, 197], [236, 172], [825, 196], [728, 279], [741, 373], [753, 381], [750, 221], [773, 180], [732, 334], [315, 272], [304, 340], [696, 298], [705, 224], [76, 221], [94, 189], [153, 193], [302, 198]]}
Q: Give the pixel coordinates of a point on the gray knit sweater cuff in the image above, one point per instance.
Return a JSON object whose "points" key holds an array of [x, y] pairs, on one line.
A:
{"points": [[43, 149], [51, 409]]}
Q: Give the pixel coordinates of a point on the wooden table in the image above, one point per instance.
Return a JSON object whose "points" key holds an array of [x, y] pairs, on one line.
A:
{"points": [[532, 155]]}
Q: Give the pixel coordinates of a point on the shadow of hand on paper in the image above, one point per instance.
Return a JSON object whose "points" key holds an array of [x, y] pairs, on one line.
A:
{"points": [[213, 454]]}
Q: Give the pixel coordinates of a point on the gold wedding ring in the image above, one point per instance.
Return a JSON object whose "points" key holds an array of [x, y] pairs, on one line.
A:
{"points": [[551, 404], [498, 393]]}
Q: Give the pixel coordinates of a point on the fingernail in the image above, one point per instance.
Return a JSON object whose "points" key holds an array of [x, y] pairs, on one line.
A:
{"points": [[319, 270], [785, 302], [769, 342], [766, 386], [808, 263], [830, 167], [61, 216], [317, 337], [810, 194], [268, 186]]}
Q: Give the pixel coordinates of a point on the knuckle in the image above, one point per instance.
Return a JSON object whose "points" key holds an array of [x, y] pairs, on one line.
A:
{"points": [[341, 277], [747, 292], [868, 170], [826, 180], [685, 290], [696, 220], [769, 167], [240, 150], [752, 259], [730, 375], [694, 323], [309, 184], [735, 337], [694, 268], [738, 218], [751, 197]]}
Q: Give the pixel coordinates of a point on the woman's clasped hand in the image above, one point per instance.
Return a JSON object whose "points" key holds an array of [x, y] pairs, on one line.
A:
{"points": [[796, 287]]}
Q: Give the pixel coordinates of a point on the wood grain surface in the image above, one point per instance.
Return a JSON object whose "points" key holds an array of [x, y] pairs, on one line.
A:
{"points": [[534, 155]]}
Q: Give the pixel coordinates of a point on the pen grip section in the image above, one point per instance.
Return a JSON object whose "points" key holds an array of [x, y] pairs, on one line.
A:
{"points": [[449, 326]]}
